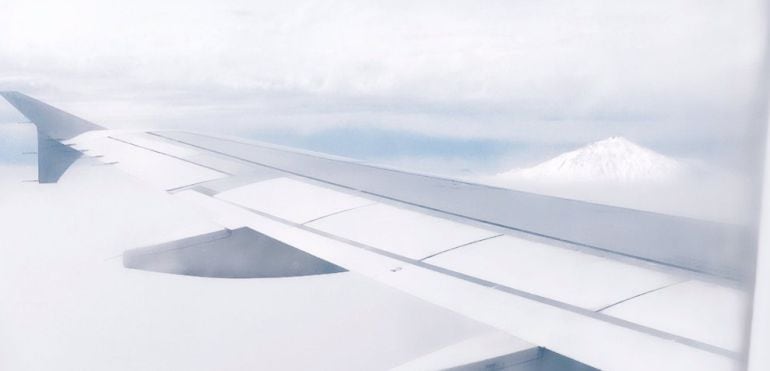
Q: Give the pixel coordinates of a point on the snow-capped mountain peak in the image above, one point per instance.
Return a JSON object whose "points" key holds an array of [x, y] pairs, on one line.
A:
{"points": [[614, 159]]}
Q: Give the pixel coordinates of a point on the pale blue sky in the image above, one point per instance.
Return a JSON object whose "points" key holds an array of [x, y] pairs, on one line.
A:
{"points": [[485, 86]]}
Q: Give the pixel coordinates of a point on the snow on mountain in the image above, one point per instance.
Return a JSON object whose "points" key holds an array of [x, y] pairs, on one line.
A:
{"points": [[618, 172], [615, 160]]}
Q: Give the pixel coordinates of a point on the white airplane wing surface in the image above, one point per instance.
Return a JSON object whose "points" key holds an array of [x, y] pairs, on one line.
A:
{"points": [[611, 288]]}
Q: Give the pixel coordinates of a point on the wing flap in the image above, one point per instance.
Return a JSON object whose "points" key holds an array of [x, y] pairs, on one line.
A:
{"points": [[697, 309], [400, 231], [296, 201], [569, 276], [596, 339]]}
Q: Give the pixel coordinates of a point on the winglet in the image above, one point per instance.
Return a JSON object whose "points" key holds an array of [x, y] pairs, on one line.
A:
{"points": [[49, 120], [53, 126]]}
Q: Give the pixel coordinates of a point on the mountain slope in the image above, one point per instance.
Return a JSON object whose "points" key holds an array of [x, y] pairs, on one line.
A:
{"points": [[615, 159], [615, 171]]}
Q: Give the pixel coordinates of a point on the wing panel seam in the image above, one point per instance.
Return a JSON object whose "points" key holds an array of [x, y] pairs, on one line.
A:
{"points": [[445, 212], [338, 212], [168, 155], [640, 295], [460, 246], [507, 289]]}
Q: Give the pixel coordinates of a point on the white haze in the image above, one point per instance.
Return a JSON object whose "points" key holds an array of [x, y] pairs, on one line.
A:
{"points": [[682, 75], [68, 303]]}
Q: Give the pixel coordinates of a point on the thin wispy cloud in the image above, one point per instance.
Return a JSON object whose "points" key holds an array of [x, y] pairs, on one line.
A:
{"points": [[678, 75]]}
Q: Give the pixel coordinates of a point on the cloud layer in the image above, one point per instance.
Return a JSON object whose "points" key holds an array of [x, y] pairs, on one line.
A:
{"points": [[681, 75]]}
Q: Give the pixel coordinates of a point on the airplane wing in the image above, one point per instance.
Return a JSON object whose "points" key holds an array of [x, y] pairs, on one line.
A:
{"points": [[612, 288]]}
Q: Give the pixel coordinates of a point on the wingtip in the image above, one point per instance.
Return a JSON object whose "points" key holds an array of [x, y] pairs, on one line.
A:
{"points": [[7, 93], [48, 119]]}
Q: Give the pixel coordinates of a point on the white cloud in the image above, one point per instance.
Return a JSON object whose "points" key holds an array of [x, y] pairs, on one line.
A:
{"points": [[66, 291], [678, 73]]}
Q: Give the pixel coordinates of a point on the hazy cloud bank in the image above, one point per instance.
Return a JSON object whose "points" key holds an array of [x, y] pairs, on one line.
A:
{"points": [[678, 75]]}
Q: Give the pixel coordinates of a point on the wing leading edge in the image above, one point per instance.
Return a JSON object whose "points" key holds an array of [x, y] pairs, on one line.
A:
{"points": [[585, 280]]}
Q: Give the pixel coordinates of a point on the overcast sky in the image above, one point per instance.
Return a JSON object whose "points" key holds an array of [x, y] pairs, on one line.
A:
{"points": [[488, 80]]}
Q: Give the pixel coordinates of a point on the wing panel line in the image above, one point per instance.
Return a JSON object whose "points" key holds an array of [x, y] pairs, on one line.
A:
{"points": [[638, 295], [507, 289], [445, 212], [338, 212], [168, 155], [459, 246]]}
